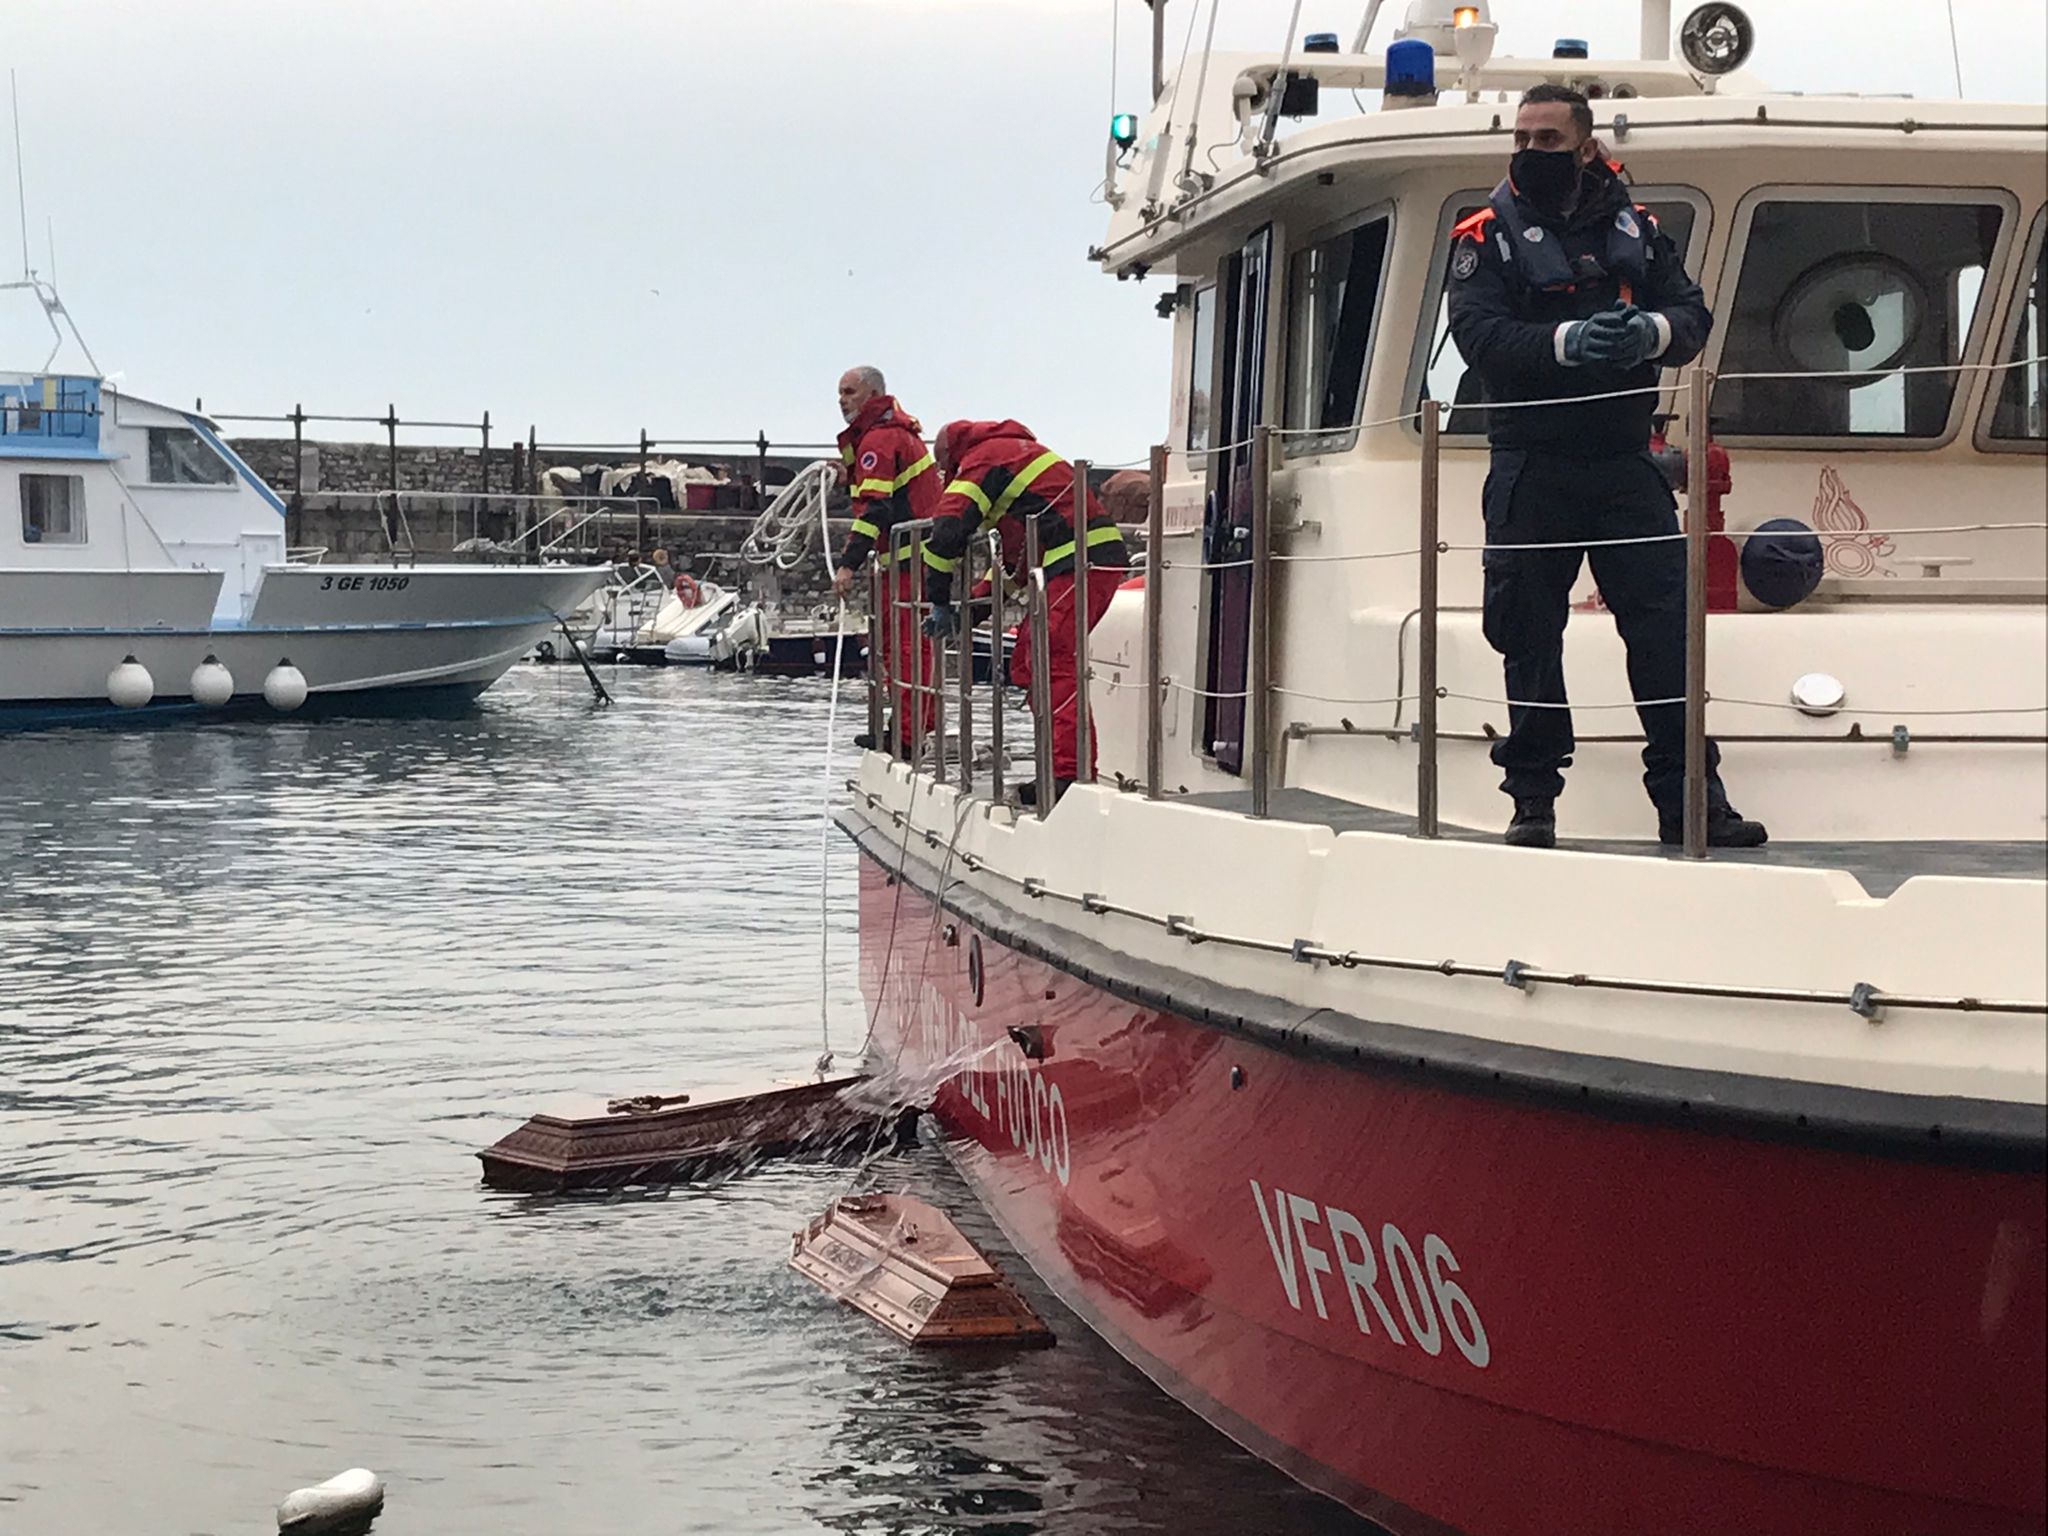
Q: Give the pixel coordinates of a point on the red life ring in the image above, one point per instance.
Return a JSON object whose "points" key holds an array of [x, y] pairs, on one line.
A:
{"points": [[687, 591]]}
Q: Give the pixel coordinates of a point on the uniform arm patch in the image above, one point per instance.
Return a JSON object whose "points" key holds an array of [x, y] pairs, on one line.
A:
{"points": [[1464, 261]]}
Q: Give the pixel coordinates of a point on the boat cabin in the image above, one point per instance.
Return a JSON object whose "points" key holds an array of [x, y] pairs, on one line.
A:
{"points": [[93, 480], [1879, 365]]}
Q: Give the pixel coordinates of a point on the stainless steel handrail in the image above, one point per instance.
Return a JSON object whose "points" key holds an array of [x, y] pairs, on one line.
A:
{"points": [[1041, 664], [1155, 607], [1695, 803], [997, 675], [1084, 734]]}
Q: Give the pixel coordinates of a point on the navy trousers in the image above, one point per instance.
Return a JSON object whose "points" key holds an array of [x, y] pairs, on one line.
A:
{"points": [[1540, 497]]}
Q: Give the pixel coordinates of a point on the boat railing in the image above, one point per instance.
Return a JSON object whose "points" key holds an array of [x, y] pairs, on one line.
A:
{"points": [[952, 653]]}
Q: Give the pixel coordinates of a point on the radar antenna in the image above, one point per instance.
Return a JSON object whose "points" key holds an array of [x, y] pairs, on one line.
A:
{"points": [[45, 290]]}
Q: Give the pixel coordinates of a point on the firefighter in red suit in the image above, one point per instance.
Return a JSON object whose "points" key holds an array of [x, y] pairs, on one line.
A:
{"points": [[891, 478], [998, 476]]}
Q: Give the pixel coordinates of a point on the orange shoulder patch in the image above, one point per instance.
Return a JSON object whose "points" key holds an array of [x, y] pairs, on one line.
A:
{"points": [[1472, 226]]}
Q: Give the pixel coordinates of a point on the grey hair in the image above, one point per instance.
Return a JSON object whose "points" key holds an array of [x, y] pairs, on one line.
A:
{"points": [[870, 378]]}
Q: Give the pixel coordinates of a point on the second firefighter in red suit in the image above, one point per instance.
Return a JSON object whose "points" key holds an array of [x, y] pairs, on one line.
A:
{"points": [[891, 478], [998, 476]]}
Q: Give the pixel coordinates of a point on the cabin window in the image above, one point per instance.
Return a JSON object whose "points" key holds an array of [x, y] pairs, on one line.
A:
{"points": [[1842, 294], [1201, 359], [180, 456], [1333, 297], [53, 509], [2021, 411], [1444, 374]]}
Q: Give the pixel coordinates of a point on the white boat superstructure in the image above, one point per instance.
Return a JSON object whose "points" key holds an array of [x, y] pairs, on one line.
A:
{"points": [[1912, 445], [130, 530]]}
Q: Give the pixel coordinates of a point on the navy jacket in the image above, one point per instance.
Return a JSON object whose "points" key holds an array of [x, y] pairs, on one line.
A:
{"points": [[1512, 292]]}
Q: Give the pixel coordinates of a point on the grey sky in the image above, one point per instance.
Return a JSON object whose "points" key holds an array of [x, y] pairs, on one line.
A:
{"points": [[603, 215]]}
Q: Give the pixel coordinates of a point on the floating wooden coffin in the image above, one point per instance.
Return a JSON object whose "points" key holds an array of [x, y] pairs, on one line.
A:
{"points": [[899, 1260], [657, 1140]]}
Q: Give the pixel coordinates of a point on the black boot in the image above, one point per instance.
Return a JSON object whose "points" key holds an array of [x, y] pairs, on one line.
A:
{"points": [[1027, 792], [1726, 828], [1535, 823], [864, 741]]}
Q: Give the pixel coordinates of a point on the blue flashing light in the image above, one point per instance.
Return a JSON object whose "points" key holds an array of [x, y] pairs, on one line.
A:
{"points": [[1123, 129], [1569, 48], [1411, 68], [1320, 42]]}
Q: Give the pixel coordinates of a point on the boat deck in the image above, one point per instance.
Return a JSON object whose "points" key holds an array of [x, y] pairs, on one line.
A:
{"points": [[1882, 867]]}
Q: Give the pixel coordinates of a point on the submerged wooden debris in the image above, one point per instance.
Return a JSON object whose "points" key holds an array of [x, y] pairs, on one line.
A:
{"points": [[900, 1261], [653, 1139]]}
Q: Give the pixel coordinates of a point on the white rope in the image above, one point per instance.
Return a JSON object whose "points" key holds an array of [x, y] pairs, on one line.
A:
{"points": [[826, 796], [1324, 698], [1203, 693], [1858, 709], [1717, 698], [1888, 373], [1732, 533], [781, 535], [1476, 698]]}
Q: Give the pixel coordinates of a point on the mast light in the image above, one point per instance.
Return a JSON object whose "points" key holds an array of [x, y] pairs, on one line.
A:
{"points": [[1123, 129]]}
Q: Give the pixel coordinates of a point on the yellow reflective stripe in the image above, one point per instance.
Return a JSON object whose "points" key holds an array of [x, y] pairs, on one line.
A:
{"points": [[1020, 485], [862, 525], [973, 493], [873, 488], [1096, 536], [846, 452], [938, 562], [911, 473]]}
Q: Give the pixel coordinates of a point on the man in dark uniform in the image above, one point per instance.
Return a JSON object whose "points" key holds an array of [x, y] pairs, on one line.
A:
{"points": [[1563, 287]]}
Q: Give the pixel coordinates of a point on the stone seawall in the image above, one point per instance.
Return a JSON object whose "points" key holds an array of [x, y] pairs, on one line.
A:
{"points": [[337, 495]]}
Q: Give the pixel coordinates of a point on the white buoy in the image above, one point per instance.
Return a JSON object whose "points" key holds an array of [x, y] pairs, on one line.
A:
{"points": [[129, 685], [284, 689], [342, 1503], [212, 684]]}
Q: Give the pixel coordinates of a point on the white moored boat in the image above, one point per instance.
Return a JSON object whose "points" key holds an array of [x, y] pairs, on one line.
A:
{"points": [[1500, 1190], [143, 566]]}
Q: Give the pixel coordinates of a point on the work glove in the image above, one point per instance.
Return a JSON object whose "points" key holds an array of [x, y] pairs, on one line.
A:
{"points": [[1637, 339], [944, 619], [1621, 337], [1602, 339]]}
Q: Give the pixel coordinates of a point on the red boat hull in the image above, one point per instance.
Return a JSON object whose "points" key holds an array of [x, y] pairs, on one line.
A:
{"points": [[1467, 1311]]}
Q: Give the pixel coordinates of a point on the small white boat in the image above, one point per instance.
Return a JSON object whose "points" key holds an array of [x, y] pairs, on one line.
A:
{"points": [[735, 638], [643, 623], [143, 566]]}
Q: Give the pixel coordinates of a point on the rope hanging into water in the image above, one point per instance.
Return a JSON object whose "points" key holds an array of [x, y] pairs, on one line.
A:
{"points": [[826, 793]]}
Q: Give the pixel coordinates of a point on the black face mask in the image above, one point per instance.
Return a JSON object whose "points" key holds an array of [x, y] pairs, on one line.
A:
{"points": [[1548, 178]]}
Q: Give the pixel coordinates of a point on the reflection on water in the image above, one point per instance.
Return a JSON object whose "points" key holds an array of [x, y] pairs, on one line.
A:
{"points": [[266, 989]]}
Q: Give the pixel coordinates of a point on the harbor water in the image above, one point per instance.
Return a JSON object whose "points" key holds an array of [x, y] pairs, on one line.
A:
{"points": [[267, 987]]}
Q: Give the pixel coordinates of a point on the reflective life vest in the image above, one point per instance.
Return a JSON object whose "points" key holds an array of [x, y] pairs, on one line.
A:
{"points": [[1539, 258]]}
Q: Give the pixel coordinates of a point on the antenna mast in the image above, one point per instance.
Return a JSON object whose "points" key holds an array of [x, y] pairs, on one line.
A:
{"points": [[20, 187]]}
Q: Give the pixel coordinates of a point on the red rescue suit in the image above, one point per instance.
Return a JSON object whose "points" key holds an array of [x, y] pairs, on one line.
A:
{"points": [[892, 478], [1004, 479]]}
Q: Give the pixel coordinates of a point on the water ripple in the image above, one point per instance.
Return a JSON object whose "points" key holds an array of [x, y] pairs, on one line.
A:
{"points": [[268, 986]]}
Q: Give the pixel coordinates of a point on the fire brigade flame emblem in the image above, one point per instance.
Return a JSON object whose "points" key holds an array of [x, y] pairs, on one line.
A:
{"points": [[1466, 262]]}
